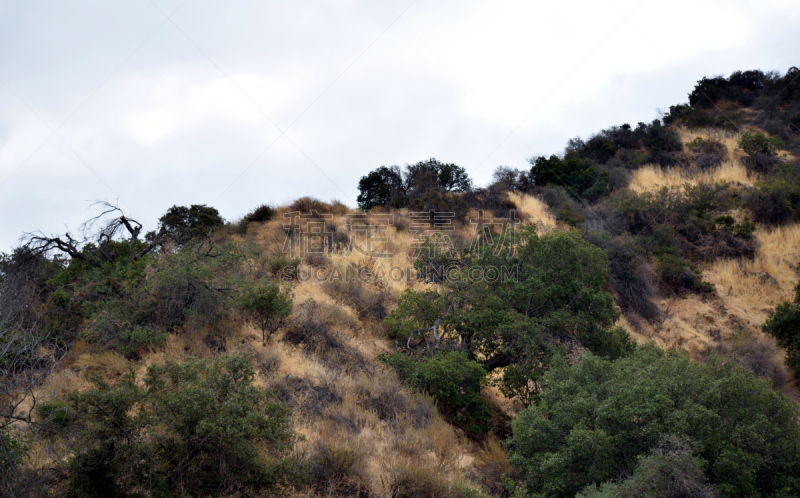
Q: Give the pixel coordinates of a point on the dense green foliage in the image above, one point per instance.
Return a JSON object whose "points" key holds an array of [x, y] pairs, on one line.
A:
{"points": [[784, 325], [268, 306], [261, 214], [196, 428], [518, 303], [185, 224], [776, 199], [454, 380], [381, 187], [597, 418], [698, 228], [670, 469], [580, 176], [425, 184], [758, 143], [628, 147], [774, 97]]}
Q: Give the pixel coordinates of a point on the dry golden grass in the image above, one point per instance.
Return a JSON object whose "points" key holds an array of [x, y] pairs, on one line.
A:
{"points": [[535, 208], [726, 138], [652, 177], [746, 291], [689, 323], [751, 288]]}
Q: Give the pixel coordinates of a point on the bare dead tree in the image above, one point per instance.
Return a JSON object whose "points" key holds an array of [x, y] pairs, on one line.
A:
{"points": [[109, 224]]}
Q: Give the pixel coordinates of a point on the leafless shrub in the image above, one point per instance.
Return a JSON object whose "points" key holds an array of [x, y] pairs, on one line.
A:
{"points": [[491, 466], [268, 361], [368, 300], [317, 260], [312, 329], [407, 480], [340, 470], [760, 357], [710, 153], [310, 205], [386, 397]]}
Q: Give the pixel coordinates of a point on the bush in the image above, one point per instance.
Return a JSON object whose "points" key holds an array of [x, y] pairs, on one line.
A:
{"points": [[268, 306], [760, 357], [339, 470], [133, 341], [670, 469], [313, 330], [441, 202], [708, 153], [366, 299], [597, 416], [562, 205], [776, 200], [306, 205], [758, 143], [784, 325], [632, 281], [455, 382], [184, 224], [261, 214], [580, 177], [553, 296], [693, 213], [55, 415], [761, 150], [195, 428], [408, 481], [678, 274]]}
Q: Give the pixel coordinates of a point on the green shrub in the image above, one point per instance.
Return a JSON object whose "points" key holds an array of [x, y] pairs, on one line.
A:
{"points": [[680, 274], [761, 150], [695, 143], [454, 380], [55, 414], [184, 224], [261, 214], [758, 143], [784, 325], [267, 305], [193, 429], [776, 200], [563, 206], [541, 296], [134, 340], [670, 469], [597, 417], [692, 212], [579, 176]]}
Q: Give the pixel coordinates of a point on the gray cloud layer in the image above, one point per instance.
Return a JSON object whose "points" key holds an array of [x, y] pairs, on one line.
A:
{"points": [[242, 103]]}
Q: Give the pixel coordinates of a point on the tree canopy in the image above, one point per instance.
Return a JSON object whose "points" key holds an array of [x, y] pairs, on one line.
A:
{"points": [[516, 303], [391, 187], [195, 428], [598, 420]]}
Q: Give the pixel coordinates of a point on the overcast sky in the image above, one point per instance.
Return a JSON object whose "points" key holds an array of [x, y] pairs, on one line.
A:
{"points": [[234, 104]]}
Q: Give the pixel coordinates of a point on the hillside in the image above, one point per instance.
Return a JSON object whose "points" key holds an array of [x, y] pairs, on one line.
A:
{"points": [[421, 345]]}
